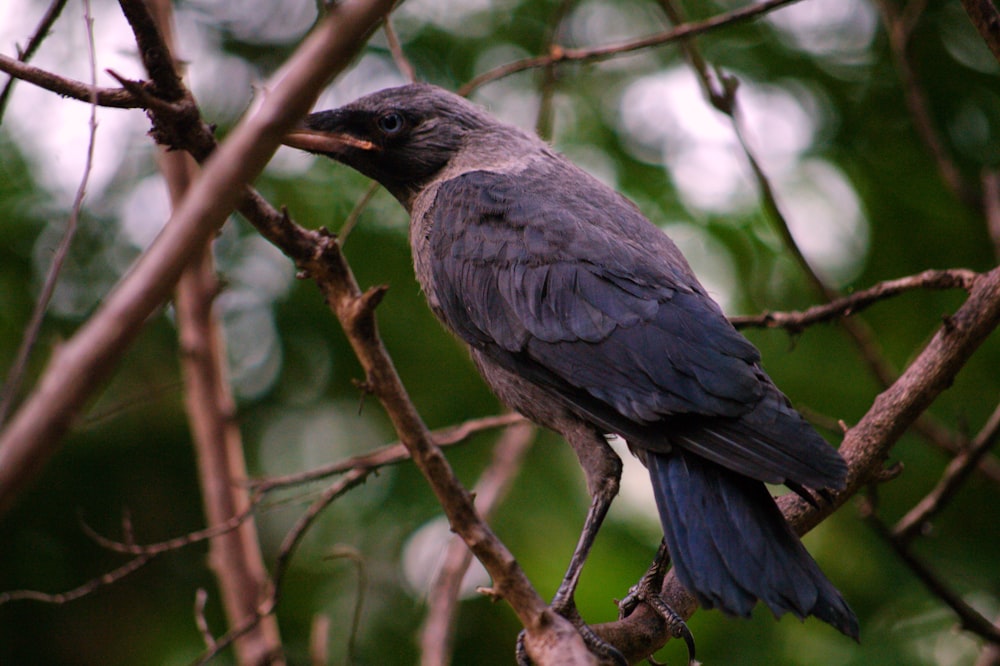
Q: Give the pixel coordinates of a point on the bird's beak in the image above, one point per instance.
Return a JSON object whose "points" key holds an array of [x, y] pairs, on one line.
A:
{"points": [[318, 141]]}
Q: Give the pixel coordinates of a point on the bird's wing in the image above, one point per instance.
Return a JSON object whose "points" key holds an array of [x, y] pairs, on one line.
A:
{"points": [[571, 288], [524, 270]]}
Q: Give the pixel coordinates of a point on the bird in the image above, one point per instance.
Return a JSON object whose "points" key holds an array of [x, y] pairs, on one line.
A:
{"points": [[585, 317]]}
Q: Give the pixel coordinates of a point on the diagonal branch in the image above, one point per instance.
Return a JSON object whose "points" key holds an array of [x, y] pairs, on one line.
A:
{"points": [[865, 447], [437, 634], [971, 619], [85, 361], [24, 55], [13, 381], [985, 16], [550, 637], [958, 470], [235, 557]]}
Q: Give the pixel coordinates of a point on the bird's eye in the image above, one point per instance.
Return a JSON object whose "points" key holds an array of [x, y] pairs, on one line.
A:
{"points": [[391, 123]]}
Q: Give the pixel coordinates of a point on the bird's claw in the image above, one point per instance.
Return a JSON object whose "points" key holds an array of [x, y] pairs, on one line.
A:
{"points": [[520, 651], [644, 592], [604, 651]]}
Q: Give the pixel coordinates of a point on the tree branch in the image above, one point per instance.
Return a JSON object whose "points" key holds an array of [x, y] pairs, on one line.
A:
{"points": [[437, 634], [558, 54], [390, 454], [112, 97], [24, 55], [865, 447], [844, 306], [548, 633], [986, 18], [12, 383], [958, 470], [82, 364], [91, 586], [971, 619], [899, 27], [234, 556], [404, 66]]}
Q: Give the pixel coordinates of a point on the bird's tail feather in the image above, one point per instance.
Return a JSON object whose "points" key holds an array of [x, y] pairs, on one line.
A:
{"points": [[730, 545]]}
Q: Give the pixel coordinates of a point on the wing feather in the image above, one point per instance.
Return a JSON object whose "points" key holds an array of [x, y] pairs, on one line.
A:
{"points": [[609, 317]]}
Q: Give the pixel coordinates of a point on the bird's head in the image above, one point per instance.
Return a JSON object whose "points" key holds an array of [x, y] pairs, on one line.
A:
{"points": [[401, 137]]}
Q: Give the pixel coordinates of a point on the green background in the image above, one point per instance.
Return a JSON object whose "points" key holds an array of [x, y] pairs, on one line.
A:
{"points": [[294, 372]]}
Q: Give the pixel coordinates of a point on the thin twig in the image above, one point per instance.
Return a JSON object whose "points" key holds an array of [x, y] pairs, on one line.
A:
{"points": [[970, 619], [389, 454], [558, 54], [98, 417], [14, 378], [129, 547], [352, 218], [437, 634], [285, 552], [843, 306], [354, 556], [200, 621], [955, 474], [36, 39], [899, 27], [118, 98], [547, 81], [396, 49], [109, 578]]}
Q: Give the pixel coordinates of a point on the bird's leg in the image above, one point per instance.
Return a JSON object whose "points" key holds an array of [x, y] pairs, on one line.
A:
{"points": [[599, 505], [648, 590], [603, 468], [564, 603]]}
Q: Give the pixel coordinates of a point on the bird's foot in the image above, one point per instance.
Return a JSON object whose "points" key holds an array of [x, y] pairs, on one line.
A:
{"points": [[604, 651], [647, 591]]}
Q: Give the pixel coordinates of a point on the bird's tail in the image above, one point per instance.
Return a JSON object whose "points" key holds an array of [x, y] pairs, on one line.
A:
{"points": [[730, 545]]}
